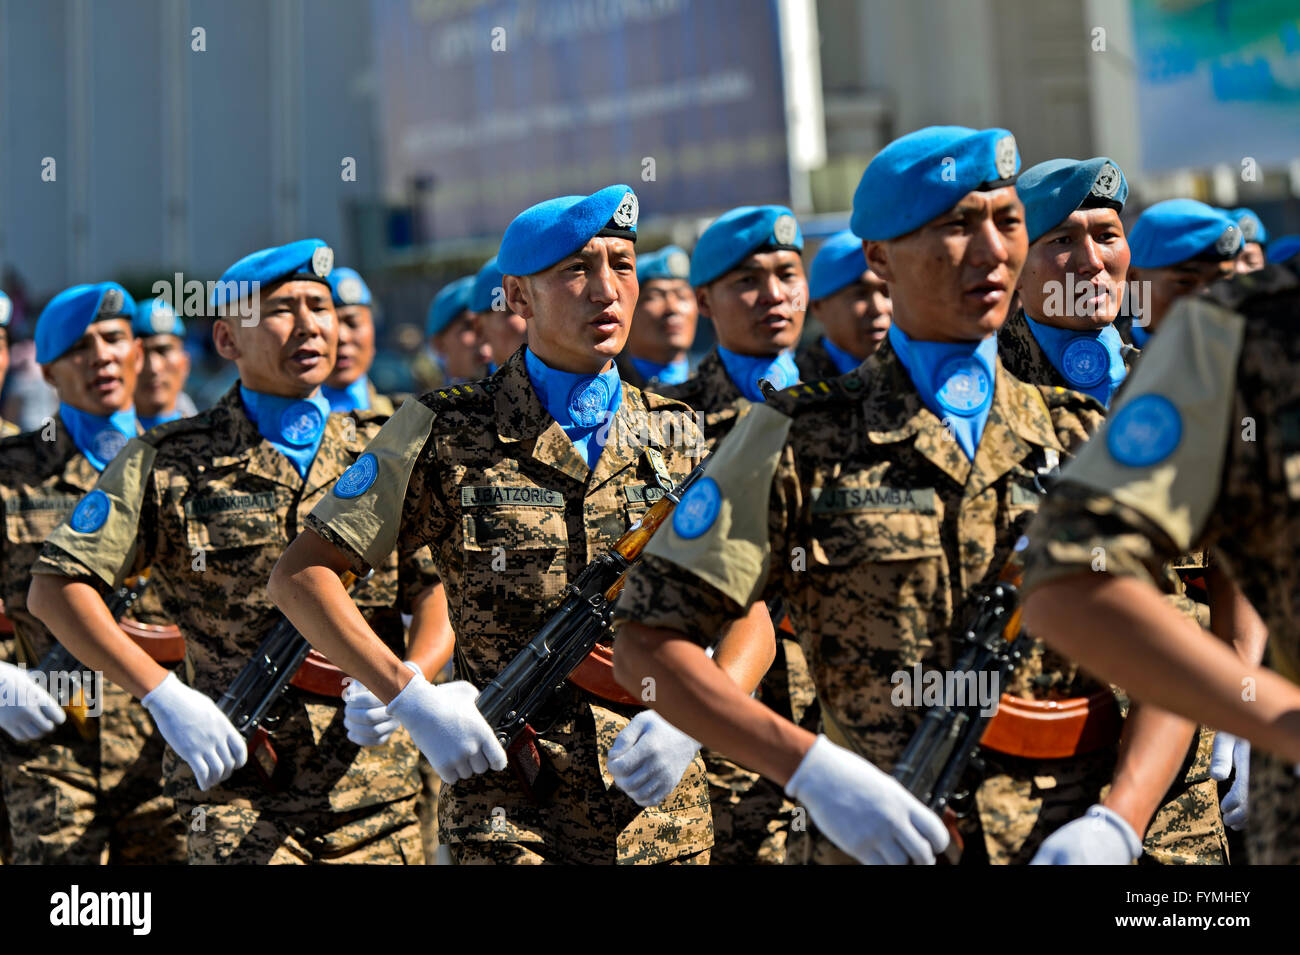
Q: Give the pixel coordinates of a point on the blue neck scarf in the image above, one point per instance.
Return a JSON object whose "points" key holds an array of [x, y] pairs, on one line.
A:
{"points": [[746, 371], [295, 426], [355, 397], [674, 373], [580, 403], [152, 421], [1140, 335], [843, 360], [954, 379], [99, 438], [1092, 362]]}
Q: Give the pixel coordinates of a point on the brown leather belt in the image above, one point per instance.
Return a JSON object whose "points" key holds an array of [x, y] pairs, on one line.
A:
{"points": [[164, 643], [317, 675], [595, 674], [1054, 729]]}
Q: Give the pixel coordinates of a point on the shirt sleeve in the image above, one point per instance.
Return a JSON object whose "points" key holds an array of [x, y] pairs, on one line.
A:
{"points": [[1146, 488], [101, 538]]}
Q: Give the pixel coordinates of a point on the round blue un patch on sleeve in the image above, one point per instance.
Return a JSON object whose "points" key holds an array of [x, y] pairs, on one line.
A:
{"points": [[91, 513], [357, 479], [698, 509], [1145, 431]]}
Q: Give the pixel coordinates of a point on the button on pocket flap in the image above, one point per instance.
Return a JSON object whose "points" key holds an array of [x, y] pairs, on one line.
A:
{"points": [[220, 521]]}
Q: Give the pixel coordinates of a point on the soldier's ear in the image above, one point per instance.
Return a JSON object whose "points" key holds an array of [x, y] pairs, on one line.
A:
{"points": [[518, 295], [223, 337], [877, 256], [702, 301]]}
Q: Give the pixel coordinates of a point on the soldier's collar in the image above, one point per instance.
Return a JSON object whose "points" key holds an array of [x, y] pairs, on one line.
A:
{"points": [[520, 414]]}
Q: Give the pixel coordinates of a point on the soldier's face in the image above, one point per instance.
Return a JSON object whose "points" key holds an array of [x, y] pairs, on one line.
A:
{"points": [[952, 279], [356, 352], [465, 354], [1251, 258], [856, 318], [1167, 285], [1075, 275], [97, 375], [166, 366], [579, 310], [291, 348], [502, 331], [758, 307], [663, 325]]}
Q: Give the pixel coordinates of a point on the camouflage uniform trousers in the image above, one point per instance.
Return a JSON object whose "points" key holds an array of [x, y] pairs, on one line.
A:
{"points": [[533, 853], [89, 802], [236, 833]]}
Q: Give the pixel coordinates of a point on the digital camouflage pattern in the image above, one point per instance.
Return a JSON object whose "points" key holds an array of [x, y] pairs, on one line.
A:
{"points": [[815, 362], [512, 514], [1227, 362], [751, 815], [217, 505], [877, 529], [69, 799]]}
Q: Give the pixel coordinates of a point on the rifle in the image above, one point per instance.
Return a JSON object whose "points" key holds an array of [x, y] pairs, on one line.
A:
{"points": [[262, 681], [530, 681], [61, 660], [948, 739]]}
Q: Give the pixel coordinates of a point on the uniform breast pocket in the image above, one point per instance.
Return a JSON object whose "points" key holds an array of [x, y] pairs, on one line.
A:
{"points": [[514, 560]]}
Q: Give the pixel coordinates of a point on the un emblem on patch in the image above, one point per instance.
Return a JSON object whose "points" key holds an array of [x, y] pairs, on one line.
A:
{"points": [[698, 509], [106, 443], [588, 402], [91, 513], [1004, 157], [301, 423], [1229, 242], [625, 215], [784, 229], [1145, 431], [1085, 362], [966, 387], [357, 479], [1107, 182], [322, 261]]}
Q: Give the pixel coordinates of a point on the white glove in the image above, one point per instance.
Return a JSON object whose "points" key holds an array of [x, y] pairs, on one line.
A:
{"points": [[649, 757], [1098, 837], [448, 728], [199, 732], [1232, 753], [27, 712], [367, 719], [862, 810]]}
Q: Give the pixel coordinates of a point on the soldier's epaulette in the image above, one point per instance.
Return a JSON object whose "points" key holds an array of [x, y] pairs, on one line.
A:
{"points": [[471, 392], [654, 401], [170, 429], [1233, 293], [1054, 396], [821, 390]]}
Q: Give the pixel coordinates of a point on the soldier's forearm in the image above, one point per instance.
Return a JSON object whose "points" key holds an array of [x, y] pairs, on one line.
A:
{"points": [[305, 585], [430, 640], [77, 616], [1233, 617], [696, 696], [1151, 753], [1124, 631], [747, 648]]}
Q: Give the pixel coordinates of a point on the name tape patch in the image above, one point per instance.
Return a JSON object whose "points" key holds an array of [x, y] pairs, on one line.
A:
{"points": [[842, 500], [494, 495]]}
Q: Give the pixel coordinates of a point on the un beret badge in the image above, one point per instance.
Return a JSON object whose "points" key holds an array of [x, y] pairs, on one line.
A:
{"points": [[161, 318], [1249, 233], [678, 263], [350, 291], [626, 214], [1229, 242], [322, 261], [6, 308], [784, 229], [1107, 182], [1004, 157], [112, 303]]}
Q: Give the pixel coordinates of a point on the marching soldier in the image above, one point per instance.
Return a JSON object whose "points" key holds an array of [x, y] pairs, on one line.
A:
{"points": [[348, 386], [517, 482], [208, 503], [1254, 238], [1199, 453], [663, 325], [878, 503], [160, 393], [74, 795], [1071, 291], [749, 279], [495, 324], [449, 329], [852, 304]]}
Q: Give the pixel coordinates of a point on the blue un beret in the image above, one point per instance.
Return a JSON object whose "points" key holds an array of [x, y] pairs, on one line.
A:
{"points": [[839, 262], [347, 287], [450, 301], [1052, 190], [1176, 230], [6, 310], [74, 310], [155, 316], [670, 262], [1283, 247], [486, 283], [1252, 228], [737, 234], [926, 173], [305, 259], [543, 234]]}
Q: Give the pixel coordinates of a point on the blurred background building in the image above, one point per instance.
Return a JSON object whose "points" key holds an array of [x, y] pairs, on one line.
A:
{"points": [[140, 138]]}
